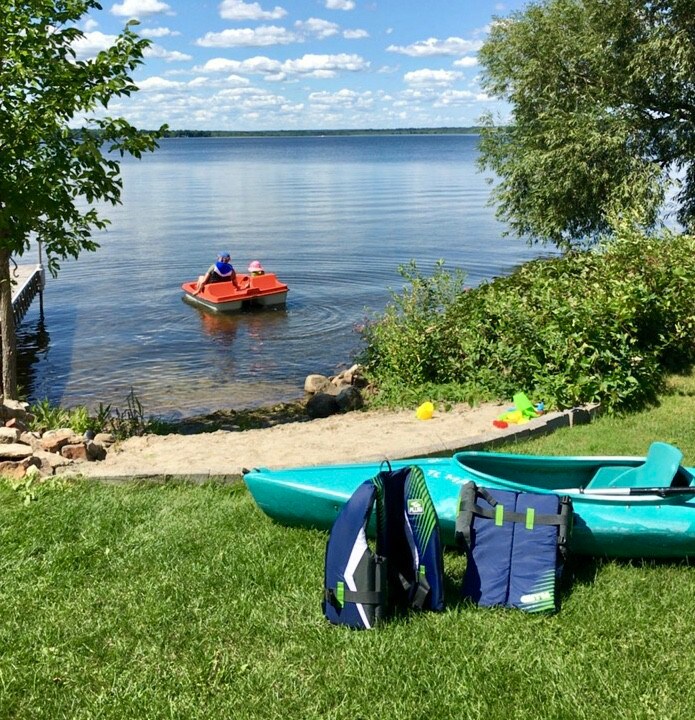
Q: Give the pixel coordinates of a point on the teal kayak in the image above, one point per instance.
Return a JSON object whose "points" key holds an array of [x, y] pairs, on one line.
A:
{"points": [[628, 507]]}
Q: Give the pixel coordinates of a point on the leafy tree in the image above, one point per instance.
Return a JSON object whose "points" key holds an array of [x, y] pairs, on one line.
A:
{"points": [[50, 175], [602, 94]]}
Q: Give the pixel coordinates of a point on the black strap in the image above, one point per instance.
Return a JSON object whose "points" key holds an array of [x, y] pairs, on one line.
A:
{"points": [[464, 517], [363, 597], [519, 517], [420, 590], [468, 507]]}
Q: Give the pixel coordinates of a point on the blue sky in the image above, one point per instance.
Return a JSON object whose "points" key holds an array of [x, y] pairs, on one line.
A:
{"points": [[303, 64]]}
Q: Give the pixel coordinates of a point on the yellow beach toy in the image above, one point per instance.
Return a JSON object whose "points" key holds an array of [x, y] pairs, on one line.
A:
{"points": [[425, 411]]}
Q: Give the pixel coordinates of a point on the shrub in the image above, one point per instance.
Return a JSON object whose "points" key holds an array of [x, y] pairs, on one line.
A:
{"points": [[592, 326]]}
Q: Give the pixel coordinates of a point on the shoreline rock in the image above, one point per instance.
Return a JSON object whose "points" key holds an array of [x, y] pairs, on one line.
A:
{"points": [[26, 453]]}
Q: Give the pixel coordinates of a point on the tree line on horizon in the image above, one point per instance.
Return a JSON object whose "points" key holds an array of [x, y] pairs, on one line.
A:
{"points": [[473, 130]]}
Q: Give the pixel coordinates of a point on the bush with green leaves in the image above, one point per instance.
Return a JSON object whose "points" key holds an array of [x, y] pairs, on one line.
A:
{"points": [[591, 326]]}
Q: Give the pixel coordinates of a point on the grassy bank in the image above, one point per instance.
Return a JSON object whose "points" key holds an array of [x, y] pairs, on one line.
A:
{"points": [[184, 601]]}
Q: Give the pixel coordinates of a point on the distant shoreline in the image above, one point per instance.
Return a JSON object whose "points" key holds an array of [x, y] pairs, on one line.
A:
{"points": [[321, 133]]}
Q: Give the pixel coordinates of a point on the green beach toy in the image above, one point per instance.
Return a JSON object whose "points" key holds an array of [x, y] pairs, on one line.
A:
{"points": [[524, 405]]}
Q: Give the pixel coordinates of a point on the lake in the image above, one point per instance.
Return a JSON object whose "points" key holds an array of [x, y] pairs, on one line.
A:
{"points": [[332, 216]]}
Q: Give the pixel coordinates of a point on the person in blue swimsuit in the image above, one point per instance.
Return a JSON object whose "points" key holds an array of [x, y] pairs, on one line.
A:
{"points": [[219, 271]]}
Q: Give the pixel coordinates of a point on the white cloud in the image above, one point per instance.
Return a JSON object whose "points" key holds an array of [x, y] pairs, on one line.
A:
{"points": [[355, 34], [346, 99], [320, 66], [157, 32], [92, 43], [261, 36], [434, 46], [320, 29], [239, 10], [340, 4], [90, 25], [458, 97], [157, 51], [159, 84], [325, 65], [466, 62], [139, 8], [432, 77]]}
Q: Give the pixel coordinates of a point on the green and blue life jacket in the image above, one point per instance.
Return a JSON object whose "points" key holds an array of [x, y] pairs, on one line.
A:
{"points": [[515, 544], [405, 571]]}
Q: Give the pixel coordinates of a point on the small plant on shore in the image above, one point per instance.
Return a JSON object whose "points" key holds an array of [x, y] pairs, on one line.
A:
{"points": [[48, 416], [122, 423], [132, 420]]}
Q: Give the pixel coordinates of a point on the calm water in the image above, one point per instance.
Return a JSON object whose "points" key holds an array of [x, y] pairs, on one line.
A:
{"points": [[334, 217]]}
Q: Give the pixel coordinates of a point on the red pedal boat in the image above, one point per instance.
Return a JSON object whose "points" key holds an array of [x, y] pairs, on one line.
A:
{"points": [[254, 291]]}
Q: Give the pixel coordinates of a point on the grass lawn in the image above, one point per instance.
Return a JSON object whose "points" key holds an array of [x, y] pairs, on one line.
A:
{"points": [[184, 601]]}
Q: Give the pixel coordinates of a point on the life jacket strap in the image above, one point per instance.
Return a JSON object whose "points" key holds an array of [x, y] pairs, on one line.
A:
{"points": [[363, 597], [468, 508], [419, 590]]}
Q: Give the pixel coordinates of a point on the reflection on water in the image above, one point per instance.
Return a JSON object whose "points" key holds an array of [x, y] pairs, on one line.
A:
{"points": [[333, 217], [33, 341], [219, 326]]}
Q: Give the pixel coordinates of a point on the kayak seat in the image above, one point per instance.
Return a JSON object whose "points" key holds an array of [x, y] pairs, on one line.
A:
{"points": [[605, 477], [658, 470]]}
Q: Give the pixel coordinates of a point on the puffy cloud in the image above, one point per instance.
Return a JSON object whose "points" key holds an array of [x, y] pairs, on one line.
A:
{"points": [[159, 84], [248, 37], [466, 62], [355, 34], [239, 10], [139, 8], [320, 29], [309, 65], [92, 43], [325, 65], [345, 99], [90, 24], [157, 51], [434, 46], [458, 97], [157, 32], [340, 4], [259, 65], [431, 77]]}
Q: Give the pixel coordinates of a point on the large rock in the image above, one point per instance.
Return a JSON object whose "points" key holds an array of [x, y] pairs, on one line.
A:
{"points": [[9, 435], [49, 461], [76, 451], [349, 398], [14, 451], [95, 451], [14, 409], [316, 383], [321, 405], [55, 440]]}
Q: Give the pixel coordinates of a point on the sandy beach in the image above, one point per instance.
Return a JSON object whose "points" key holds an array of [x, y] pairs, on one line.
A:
{"points": [[351, 437]]}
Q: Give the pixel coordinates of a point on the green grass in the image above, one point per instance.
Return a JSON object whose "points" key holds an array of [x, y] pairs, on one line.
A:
{"points": [[185, 601]]}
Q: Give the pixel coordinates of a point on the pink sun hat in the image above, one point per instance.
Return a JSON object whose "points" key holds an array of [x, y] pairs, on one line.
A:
{"points": [[255, 266]]}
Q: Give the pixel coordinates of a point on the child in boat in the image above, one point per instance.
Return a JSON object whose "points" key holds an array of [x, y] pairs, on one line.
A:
{"points": [[255, 268], [218, 272]]}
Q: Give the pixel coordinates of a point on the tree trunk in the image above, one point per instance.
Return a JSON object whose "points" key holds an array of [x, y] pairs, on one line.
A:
{"points": [[8, 337]]}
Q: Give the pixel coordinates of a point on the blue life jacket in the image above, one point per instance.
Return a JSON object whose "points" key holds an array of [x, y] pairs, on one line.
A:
{"points": [[363, 586], [223, 269], [515, 543]]}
